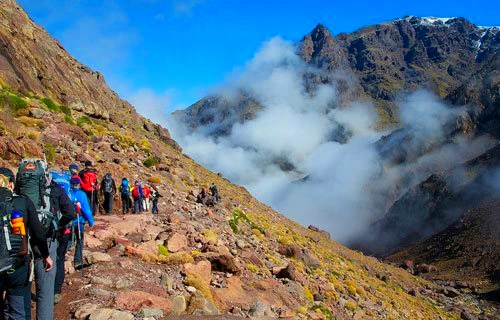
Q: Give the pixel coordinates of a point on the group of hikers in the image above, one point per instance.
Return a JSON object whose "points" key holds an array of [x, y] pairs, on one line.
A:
{"points": [[135, 197], [43, 213], [209, 199]]}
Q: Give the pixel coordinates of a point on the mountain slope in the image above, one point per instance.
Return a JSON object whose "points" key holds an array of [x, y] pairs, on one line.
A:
{"points": [[240, 258]]}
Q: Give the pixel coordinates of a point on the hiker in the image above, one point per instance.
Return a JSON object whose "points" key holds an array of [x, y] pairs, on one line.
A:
{"points": [[137, 195], [146, 191], [88, 184], [74, 171], [125, 195], [83, 214], [155, 195], [203, 197], [15, 280], [54, 209], [62, 212], [214, 193], [108, 189]]}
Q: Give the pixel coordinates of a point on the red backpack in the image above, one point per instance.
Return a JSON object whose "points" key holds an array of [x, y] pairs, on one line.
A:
{"points": [[135, 192]]}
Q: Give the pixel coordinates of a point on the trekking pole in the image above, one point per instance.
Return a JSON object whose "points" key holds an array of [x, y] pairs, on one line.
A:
{"points": [[80, 239]]}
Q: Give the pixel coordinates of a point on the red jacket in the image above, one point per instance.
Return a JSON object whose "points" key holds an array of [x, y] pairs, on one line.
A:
{"points": [[89, 179]]}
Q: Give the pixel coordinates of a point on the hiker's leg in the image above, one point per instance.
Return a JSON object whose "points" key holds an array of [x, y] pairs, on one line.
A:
{"points": [[155, 206], [62, 248], [111, 202], [19, 293], [44, 282], [106, 202]]}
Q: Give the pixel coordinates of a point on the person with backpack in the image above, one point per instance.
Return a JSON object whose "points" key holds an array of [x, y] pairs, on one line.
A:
{"points": [[155, 195], [57, 215], [14, 256], [88, 184], [125, 195], [84, 215], [214, 191], [54, 209], [137, 195], [145, 200], [108, 189]]}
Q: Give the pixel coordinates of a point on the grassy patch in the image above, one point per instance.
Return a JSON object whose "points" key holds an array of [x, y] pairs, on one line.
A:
{"points": [[327, 314], [30, 122], [145, 145], [66, 110], [50, 152], [238, 215], [51, 104], [151, 161], [84, 120], [69, 119], [12, 101]]}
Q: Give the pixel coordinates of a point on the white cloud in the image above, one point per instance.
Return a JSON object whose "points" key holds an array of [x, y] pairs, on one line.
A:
{"points": [[151, 104]]}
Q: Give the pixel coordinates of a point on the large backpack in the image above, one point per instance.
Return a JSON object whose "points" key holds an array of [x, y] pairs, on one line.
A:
{"points": [[31, 179], [135, 192], [48, 216], [108, 184], [12, 246], [125, 190]]}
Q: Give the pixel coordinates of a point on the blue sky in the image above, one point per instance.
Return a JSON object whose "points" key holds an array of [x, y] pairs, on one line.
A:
{"points": [[169, 53]]}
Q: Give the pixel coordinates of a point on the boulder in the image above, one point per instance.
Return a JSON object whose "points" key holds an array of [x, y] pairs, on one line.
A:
{"points": [[136, 300], [200, 306], [110, 314], [96, 257], [179, 305], [84, 311], [177, 242]]}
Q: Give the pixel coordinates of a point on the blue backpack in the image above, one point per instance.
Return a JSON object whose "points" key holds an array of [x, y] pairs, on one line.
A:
{"points": [[62, 180], [124, 188]]}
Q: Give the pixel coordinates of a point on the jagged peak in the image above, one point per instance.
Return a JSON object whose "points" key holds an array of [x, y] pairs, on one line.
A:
{"points": [[320, 31]]}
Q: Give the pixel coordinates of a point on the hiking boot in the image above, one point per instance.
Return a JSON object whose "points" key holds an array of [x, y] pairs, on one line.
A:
{"points": [[57, 298]]}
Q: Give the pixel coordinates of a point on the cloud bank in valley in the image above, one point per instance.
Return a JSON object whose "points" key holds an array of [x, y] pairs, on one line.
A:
{"points": [[341, 178]]}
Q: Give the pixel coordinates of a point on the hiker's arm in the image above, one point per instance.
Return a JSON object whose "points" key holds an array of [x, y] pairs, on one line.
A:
{"points": [[87, 213], [67, 209], [37, 235]]}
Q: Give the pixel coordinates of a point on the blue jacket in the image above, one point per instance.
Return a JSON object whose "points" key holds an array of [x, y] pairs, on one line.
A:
{"points": [[77, 195]]}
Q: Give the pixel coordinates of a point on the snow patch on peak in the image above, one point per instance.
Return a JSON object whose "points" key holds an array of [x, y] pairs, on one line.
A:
{"points": [[429, 21]]}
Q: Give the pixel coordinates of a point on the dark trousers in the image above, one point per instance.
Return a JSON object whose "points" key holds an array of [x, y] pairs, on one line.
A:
{"points": [[17, 303], [61, 256], [137, 205], [93, 200], [108, 202], [125, 203], [155, 206]]}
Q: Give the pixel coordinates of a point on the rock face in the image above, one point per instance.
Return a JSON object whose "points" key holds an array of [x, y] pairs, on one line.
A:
{"points": [[32, 61]]}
